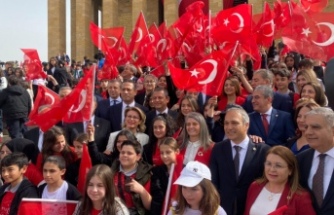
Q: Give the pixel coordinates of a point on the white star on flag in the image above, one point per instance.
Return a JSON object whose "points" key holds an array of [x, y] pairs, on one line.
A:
{"points": [[226, 22], [194, 73], [306, 31]]}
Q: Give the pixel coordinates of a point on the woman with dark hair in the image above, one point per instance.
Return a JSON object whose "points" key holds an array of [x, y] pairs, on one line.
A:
{"points": [[54, 143], [313, 90], [162, 126], [279, 187], [231, 93], [299, 143]]}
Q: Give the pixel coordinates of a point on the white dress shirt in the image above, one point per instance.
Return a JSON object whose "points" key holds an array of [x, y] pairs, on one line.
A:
{"points": [[191, 151], [40, 140], [165, 111], [269, 112], [328, 171], [242, 152], [133, 104]]}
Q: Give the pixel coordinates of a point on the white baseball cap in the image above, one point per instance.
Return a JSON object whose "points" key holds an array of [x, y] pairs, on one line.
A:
{"points": [[193, 173]]}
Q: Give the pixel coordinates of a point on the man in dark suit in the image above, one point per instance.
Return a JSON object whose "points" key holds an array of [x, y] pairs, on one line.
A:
{"points": [[160, 101], [273, 126], [114, 91], [150, 82], [236, 162], [316, 165], [116, 112], [281, 102]]}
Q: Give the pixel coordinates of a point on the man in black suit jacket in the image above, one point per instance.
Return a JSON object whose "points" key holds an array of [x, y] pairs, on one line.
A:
{"points": [[116, 112], [236, 162], [160, 100], [280, 101], [319, 159]]}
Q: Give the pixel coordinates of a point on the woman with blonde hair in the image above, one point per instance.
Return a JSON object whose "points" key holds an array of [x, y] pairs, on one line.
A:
{"points": [[278, 188], [134, 120]]}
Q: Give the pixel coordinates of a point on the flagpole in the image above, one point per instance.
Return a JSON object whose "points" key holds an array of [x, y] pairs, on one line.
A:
{"points": [[171, 173], [93, 90]]}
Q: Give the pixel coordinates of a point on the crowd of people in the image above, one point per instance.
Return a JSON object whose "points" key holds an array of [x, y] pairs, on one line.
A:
{"points": [[263, 146]]}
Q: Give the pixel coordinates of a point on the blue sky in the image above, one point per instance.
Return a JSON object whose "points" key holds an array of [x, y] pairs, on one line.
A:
{"points": [[23, 24]]}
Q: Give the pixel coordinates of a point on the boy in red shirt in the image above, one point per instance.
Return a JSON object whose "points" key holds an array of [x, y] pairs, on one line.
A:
{"points": [[16, 187]]}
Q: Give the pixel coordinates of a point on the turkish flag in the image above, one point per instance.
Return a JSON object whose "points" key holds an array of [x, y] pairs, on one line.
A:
{"points": [[158, 71], [233, 24], [33, 65], [123, 54], [44, 96], [85, 166], [282, 15], [183, 4], [314, 6], [32, 206], [58, 111], [110, 36], [139, 33], [81, 109], [265, 28], [109, 70], [146, 53], [207, 75]]}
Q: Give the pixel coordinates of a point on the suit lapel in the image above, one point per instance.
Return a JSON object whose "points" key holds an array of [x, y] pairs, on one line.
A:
{"points": [[251, 150], [227, 152], [273, 118], [330, 190]]}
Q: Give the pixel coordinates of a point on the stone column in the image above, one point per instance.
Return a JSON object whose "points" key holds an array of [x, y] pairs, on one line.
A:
{"points": [[82, 14], [109, 13], [171, 11], [215, 6], [56, 27]]}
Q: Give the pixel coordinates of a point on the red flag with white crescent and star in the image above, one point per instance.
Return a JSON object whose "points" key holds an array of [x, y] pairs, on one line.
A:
{"points": [[139, 33], [207, 75], [85, 166], [33, 65], [265, 28], [313, 6], [45, 96]]}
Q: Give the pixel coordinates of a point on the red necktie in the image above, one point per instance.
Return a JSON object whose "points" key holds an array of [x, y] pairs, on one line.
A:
{"points": [[265, 122]]}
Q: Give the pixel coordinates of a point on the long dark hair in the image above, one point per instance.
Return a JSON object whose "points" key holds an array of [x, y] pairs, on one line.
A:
{"points": [[129, 136], [50, 138], [109, 204]]}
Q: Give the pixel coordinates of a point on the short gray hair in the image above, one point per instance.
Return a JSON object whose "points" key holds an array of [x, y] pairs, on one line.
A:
{"points": [[266, 74], [266, 91], [325, 112], [242, 112]]}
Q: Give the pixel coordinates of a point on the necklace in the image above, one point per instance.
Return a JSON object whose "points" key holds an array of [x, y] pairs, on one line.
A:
{"points": [[271, 196]]}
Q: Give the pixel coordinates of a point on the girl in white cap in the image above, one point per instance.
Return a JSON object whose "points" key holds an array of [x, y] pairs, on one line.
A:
{"points": [[196, 194]]}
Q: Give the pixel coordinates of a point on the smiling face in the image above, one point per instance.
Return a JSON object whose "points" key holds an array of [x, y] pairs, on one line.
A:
{"points": [[13, 174], [235, 128], [276, 169], [167, 154], [159, 129], [160, 100], [132, 120], [128, 157], [59, 144], [120, 140], [308, 92], [96, 190], [193, 129], [301, 80], [186, 107], [319, 134], [301, 118], [229, 88], [260, 103]]}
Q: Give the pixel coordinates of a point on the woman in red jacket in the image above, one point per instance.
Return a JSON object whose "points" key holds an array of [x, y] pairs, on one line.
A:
{"points": [[196, 144], [279, 189]]}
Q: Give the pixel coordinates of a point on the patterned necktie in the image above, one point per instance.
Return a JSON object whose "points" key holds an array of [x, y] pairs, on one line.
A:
{"points": [[318, 180]]}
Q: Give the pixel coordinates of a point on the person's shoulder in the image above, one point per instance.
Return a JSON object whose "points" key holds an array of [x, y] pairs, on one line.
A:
{"points": [[121, 208], [305, 154], [221, 211]]}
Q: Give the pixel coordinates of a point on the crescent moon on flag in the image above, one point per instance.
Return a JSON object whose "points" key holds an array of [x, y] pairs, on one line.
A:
{"points": [[152, 37], [164, 44], [272, 25], [187, 46], [51, 97], [199, 27], [330, 41], [115, 41], [82, 103], [242, 22], [213, 73], [140, 32]]}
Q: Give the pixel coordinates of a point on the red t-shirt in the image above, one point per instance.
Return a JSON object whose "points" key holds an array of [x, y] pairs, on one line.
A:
{"points": [[157, 157], [95, 212], [6, 202]]}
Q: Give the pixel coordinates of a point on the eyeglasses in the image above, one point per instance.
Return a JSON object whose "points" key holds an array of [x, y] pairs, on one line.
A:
{"points": [[132, 117], [274, 165]]}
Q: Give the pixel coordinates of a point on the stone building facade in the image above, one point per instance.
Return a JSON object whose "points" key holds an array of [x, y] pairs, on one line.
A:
{"points": [[114, 13]]}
